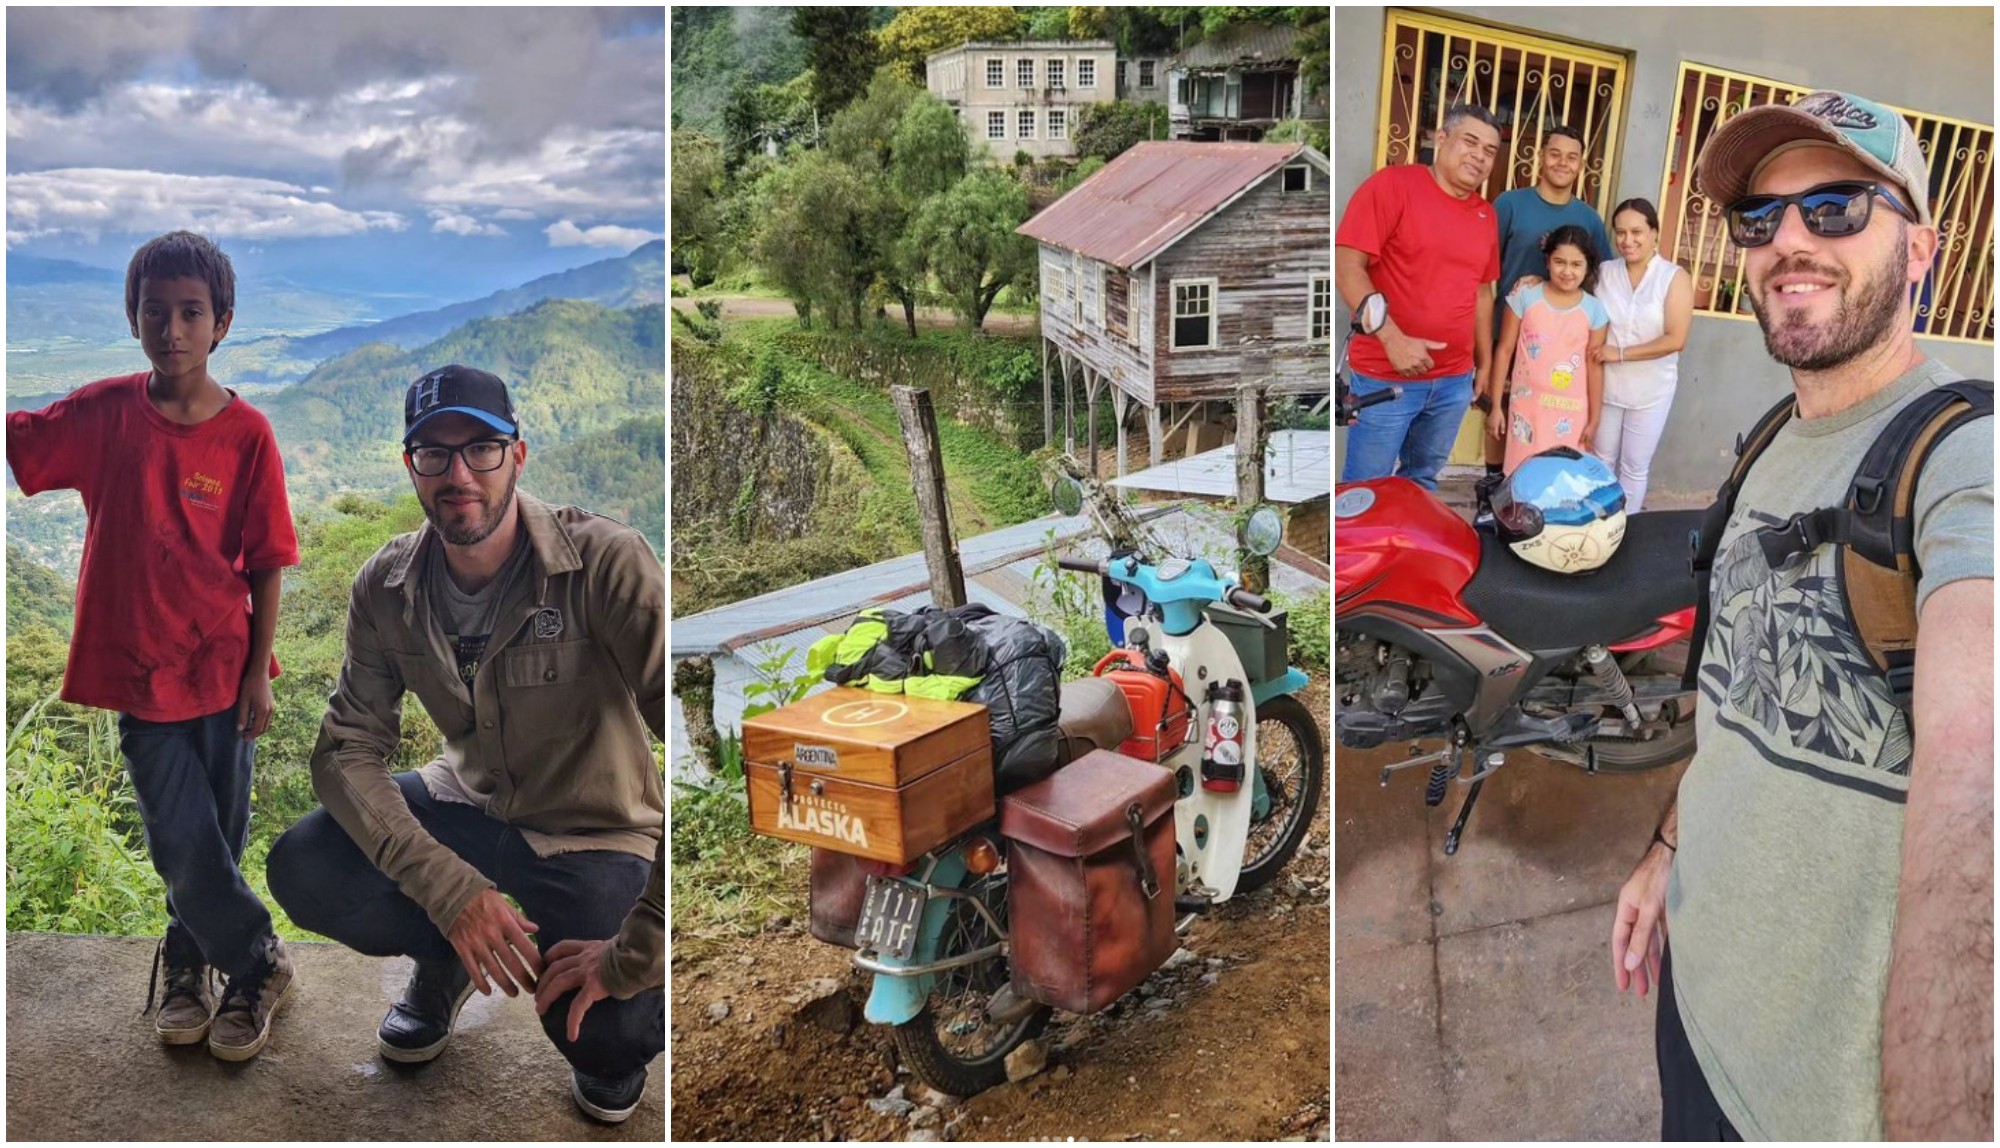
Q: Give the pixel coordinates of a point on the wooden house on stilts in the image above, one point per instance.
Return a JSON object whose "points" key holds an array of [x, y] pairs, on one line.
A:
{"points": [[1178, 272]]}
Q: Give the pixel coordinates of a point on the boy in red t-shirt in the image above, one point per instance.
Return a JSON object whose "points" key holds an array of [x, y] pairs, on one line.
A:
{"points": [[176, 614]]}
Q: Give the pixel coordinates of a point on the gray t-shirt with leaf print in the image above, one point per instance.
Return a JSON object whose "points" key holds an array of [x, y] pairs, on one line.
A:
{"points": [[1783, 895]]}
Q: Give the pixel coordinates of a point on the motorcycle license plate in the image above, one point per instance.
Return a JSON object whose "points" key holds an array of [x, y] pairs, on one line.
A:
{"points": [[889, 915]]}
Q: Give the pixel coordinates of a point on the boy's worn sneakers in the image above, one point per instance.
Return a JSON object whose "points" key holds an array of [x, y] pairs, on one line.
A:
{"points": [[419, 1026], [243, 1022], [189, 1004], [608, 1100]]}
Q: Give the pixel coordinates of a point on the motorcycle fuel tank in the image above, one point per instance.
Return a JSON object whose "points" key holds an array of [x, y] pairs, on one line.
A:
{"points": [[1391, 529]]}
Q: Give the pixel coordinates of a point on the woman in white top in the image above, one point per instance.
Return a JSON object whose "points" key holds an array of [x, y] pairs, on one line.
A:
{"points": [[1651, 303]]}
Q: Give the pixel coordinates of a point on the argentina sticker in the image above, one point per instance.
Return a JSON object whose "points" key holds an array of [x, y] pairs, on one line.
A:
{"points": [[548, 622]]}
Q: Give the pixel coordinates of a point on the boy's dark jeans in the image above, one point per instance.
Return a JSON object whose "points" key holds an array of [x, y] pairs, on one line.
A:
{"points": [[192, 780], [327, 885]]}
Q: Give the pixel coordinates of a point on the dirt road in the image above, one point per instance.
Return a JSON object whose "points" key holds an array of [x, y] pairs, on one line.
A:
{"points": [[767, 1043], [761, 307]]}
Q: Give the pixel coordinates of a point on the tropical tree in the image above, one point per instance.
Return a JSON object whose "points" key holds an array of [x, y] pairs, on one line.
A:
{"points": [[968, 233], [697, 179], [819, 234], [840, 50], [916, 33], [861, 134], [1108, 129]]}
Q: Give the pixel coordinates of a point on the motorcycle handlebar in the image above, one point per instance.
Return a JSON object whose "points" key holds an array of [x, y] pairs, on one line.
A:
{"points": [[1081, 565], [1248, 601]]}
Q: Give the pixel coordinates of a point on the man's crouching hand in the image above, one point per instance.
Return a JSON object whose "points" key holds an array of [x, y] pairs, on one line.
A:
{"points": [[491, 937], [573, 965]]}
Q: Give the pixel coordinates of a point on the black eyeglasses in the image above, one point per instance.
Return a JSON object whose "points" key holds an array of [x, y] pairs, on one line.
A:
{"points": [[481, 455], [1830, 211]]}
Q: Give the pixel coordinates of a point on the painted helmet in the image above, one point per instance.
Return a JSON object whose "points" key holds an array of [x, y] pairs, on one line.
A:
{"points": [[1561, 510]]}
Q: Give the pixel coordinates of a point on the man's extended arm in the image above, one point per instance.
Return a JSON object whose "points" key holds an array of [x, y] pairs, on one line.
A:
{"points": [[635, 593], [1937, 1017]]}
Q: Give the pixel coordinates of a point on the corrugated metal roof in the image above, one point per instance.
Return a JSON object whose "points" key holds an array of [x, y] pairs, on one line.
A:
{"points": [[1152, 195], [1245, 44], [1298, 467]]}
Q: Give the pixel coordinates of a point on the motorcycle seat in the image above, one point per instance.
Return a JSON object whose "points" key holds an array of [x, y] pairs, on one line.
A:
{"points": [[1093, 715], [1540, 610]]}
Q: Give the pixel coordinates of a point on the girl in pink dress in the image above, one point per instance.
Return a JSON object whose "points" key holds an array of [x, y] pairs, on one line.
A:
{"points": [[1555, 388]]}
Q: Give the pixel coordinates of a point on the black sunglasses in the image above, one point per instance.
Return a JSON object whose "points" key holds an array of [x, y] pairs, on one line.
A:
{"points": [[481, 455], [1830, 211]]}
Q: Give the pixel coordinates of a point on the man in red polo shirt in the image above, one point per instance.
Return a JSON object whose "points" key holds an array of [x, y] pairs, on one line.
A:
{"points": [[1423, 239]]}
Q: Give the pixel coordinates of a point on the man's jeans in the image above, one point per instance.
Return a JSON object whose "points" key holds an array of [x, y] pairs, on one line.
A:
{"points": [[328, 886], [192, 782], [1415, 431]]}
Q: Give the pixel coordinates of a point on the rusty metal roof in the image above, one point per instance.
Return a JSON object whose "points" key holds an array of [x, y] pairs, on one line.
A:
{"points": [[1152, 195]]}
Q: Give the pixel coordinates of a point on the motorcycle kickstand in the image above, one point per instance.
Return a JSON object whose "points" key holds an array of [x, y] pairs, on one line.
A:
{"points": [[1478, 782]]}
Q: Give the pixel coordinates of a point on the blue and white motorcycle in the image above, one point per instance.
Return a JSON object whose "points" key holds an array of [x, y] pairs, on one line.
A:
{"points": [[1250, 763]]}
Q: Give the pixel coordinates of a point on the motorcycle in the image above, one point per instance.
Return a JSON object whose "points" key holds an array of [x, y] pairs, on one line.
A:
{"points": [[935, 933], [1441, 631]]}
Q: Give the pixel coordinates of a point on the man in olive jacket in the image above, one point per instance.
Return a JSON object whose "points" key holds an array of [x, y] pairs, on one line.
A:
{"points": [[535, 638]]}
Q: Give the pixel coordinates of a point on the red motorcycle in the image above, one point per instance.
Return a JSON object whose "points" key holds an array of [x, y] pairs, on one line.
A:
{"points": [[1441, 631]]}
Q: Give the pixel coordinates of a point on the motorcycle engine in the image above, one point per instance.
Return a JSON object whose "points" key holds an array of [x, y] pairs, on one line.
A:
{"points": [[1383, 693]]}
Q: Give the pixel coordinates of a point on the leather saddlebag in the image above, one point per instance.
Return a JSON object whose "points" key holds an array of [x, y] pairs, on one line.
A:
{"points": [[836, 890], [1090, 890]]}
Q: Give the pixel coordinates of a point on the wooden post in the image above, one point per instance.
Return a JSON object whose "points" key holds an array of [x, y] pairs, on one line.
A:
{"points": [[1090, 416], [1048, 400], [914, 411], [1154, 433], [1250, 437], [1119, 409]]}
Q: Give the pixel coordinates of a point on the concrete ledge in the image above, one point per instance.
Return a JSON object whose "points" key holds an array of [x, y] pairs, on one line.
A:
{"points": [[83, 1064]]}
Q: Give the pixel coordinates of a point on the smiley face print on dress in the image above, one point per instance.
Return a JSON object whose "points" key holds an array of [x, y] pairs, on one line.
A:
{"points": [[1563, 374]]}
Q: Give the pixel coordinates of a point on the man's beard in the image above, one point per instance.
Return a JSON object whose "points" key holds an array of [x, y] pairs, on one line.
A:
{"points": [[480, 531], [1866, 315]]}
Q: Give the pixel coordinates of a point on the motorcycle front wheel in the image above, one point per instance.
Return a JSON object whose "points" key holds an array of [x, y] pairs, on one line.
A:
{"points": [[952, 1045], [1292, 759]]}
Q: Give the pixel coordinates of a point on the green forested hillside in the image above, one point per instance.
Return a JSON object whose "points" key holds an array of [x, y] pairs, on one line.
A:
{"points": [[619, 473], [573, 369]]}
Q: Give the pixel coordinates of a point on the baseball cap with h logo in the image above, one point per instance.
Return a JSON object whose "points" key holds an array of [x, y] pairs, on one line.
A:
{"points": [[458, 390]]}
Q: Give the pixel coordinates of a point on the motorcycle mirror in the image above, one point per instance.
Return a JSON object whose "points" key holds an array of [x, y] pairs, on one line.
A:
{"points": [[1067, 494], [1374, 313], [1262, 530]]}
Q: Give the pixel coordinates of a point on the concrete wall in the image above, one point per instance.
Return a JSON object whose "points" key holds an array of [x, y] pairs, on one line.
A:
{"points": [[1934, 60]]}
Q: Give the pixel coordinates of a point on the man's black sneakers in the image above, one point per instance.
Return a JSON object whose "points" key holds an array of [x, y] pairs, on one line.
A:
{"points": [[608, 1100], [419, 1026]]}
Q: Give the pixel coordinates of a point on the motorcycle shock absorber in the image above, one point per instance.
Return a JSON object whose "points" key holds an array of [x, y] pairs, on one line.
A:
{"points": [[1611, 679]]}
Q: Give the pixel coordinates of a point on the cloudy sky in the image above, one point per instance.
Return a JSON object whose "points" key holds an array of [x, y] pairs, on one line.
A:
{"points": [[447, 151]]}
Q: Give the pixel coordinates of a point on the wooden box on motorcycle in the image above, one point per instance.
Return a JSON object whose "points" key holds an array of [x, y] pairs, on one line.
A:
{"points": [[1090, 885], [882, 776]]}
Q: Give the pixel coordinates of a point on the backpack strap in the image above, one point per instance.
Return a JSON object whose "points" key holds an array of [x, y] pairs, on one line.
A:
{"points": [[1879, 567], [1702, 544]]}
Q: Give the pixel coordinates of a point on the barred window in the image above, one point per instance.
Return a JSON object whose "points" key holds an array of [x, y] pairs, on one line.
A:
{"points": [[996, 125], [1320, 309], [1058, 124], [1086, 73], [1530, 83], [996, 73], [1055, 73], [1147, 79], [1024, 73], [1953, 300], [1027, 125]]}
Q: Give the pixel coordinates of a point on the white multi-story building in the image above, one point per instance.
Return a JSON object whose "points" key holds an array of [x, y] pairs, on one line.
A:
{"points": [[1026, 96]]}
